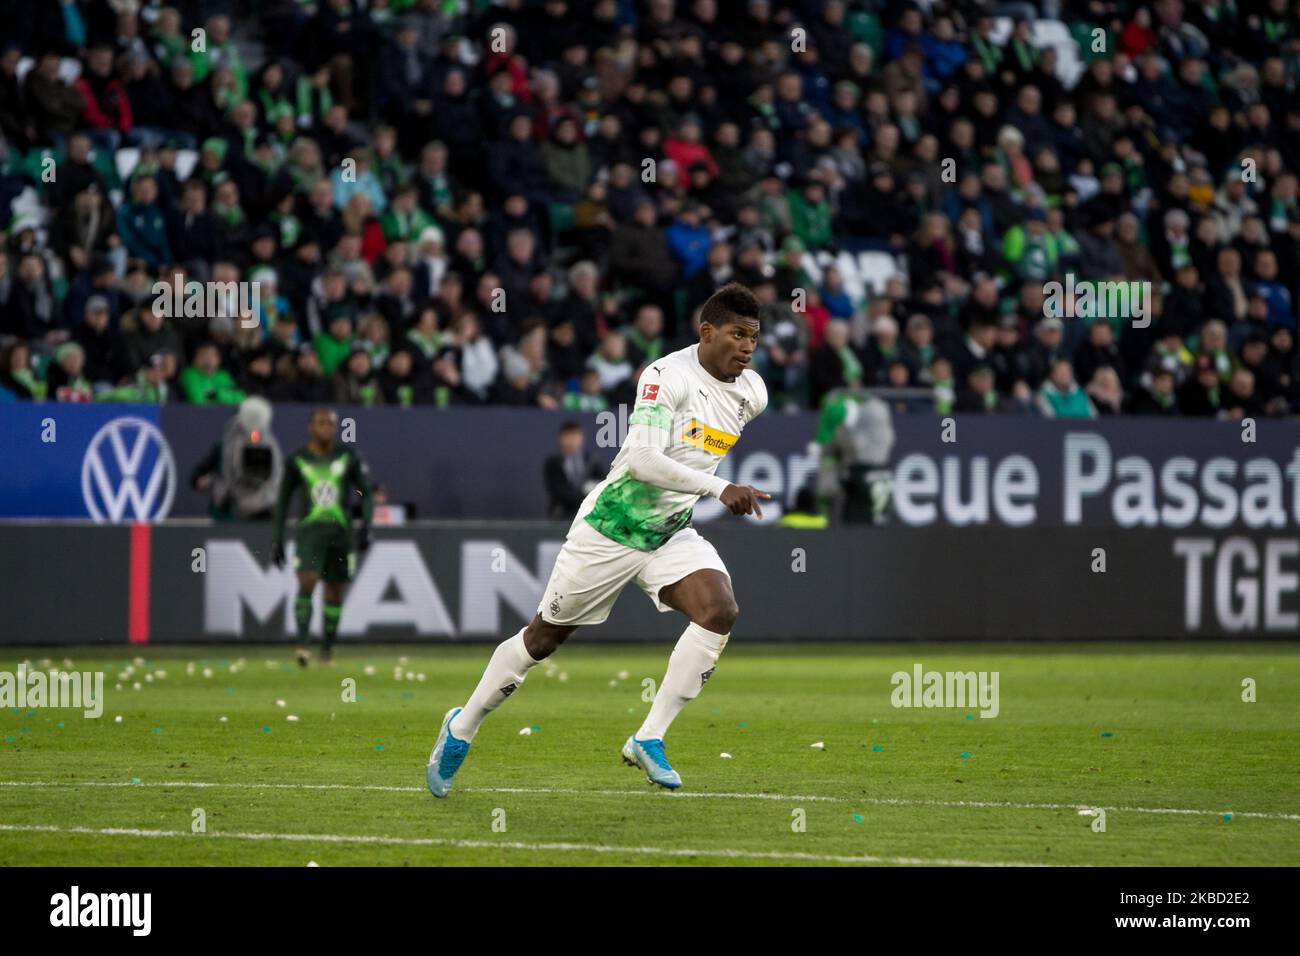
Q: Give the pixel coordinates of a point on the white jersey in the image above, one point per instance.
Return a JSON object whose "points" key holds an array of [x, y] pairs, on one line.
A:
{"points": [[694, 419]]}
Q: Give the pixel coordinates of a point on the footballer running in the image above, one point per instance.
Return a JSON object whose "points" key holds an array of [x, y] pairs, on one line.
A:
{"points": [[691, 407], [324, 545]]}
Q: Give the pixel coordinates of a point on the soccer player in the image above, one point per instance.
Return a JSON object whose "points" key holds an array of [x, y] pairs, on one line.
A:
{"points": [[691, 407], [324, 546]]}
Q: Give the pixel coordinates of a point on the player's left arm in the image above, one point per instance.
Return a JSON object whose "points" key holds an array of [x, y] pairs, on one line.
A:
{"points": [[359, 475]]}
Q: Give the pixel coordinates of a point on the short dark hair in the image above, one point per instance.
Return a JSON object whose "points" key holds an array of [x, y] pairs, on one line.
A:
{"points": [[729, 304], [571, 425]]}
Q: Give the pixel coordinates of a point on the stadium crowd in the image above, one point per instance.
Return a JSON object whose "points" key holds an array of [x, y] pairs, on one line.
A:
{"points": [[524, 201]]}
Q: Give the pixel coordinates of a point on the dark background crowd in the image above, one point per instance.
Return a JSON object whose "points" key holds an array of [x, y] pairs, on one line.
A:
{"points": [[523, 202]]}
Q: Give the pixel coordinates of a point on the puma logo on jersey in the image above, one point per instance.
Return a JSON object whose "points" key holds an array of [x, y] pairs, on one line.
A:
{"points": [[710, 439]]}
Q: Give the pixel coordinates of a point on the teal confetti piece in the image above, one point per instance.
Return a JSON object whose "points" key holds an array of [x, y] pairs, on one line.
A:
{"points": [[379, 746], [266, 730], [1227, 816], [11, 740], [970, 716], [157, 730], [877, 748], [135, 779], [965, 754], [858, 818], [1107, 733], [743, 725], [60, 725], [537, 727]]}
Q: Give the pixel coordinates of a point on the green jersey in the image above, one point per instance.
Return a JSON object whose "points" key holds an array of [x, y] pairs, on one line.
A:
{"points": [[329, 483]]}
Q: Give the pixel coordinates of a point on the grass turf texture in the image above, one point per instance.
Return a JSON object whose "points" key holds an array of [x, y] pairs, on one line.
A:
{"points": [[1160, 727]]}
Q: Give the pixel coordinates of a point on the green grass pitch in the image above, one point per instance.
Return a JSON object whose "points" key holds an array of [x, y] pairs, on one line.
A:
{"points": [[1157, 735]]}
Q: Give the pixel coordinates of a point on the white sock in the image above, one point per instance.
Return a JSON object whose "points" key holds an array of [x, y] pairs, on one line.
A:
{"points": [[504, 673], [690, 665]]}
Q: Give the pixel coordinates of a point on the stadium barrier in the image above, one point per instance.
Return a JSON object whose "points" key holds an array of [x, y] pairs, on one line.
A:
{"points": [[189, 582], [132, 463]]}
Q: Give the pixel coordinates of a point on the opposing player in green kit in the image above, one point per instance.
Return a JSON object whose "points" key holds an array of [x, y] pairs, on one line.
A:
{"points": [[332, 477]]}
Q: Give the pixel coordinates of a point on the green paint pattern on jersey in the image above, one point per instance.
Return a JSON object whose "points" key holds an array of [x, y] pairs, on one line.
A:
{"points": [[624, 512], [656, 416], [324, 482]]}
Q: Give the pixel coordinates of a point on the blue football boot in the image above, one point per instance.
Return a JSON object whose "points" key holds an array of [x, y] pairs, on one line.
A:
{"points": [[447, 756], [649, 756]]}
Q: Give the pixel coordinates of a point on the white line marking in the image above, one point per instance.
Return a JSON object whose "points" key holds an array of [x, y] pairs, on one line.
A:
{"points": [[663, 795], [506, 845]]}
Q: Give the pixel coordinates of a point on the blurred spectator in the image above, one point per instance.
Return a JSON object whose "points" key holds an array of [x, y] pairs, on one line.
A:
{"points": [[570, 473], [205, 382], [1061, 397], [389, 158]]}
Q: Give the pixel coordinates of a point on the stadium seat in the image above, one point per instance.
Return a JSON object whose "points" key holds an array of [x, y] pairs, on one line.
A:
{"points": [[877, 268], [29, 205], [186, 160], [126, 159]]}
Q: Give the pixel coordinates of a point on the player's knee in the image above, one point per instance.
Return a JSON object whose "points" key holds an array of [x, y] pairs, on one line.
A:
{"points": [[542, 639], [719, 615]]}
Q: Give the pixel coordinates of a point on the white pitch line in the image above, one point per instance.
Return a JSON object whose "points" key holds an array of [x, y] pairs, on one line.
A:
{"points": [[679, 795], [726, 854]]}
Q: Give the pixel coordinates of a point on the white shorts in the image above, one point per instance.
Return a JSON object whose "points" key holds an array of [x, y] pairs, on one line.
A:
{"points": [[591, 571]]}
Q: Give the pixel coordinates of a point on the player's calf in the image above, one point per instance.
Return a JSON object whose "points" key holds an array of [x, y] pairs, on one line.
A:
{"points": [[689, 669], [505, 673]]}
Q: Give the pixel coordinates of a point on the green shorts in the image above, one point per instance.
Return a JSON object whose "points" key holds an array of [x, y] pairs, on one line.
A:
{"points": [[325, 548]]}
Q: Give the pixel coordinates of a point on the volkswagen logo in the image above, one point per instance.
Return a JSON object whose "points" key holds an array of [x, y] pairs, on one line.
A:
{"points": [[128, 472]]}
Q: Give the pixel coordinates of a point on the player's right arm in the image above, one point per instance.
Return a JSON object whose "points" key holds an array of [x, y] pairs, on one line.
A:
{"points": [[649, 434]]}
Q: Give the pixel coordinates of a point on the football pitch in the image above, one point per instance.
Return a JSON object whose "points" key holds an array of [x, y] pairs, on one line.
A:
{"points": [[235, 756]]}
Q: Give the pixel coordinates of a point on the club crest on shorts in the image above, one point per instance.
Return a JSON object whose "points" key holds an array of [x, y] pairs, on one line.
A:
{"points": [[509, 689], [555, 604]]}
